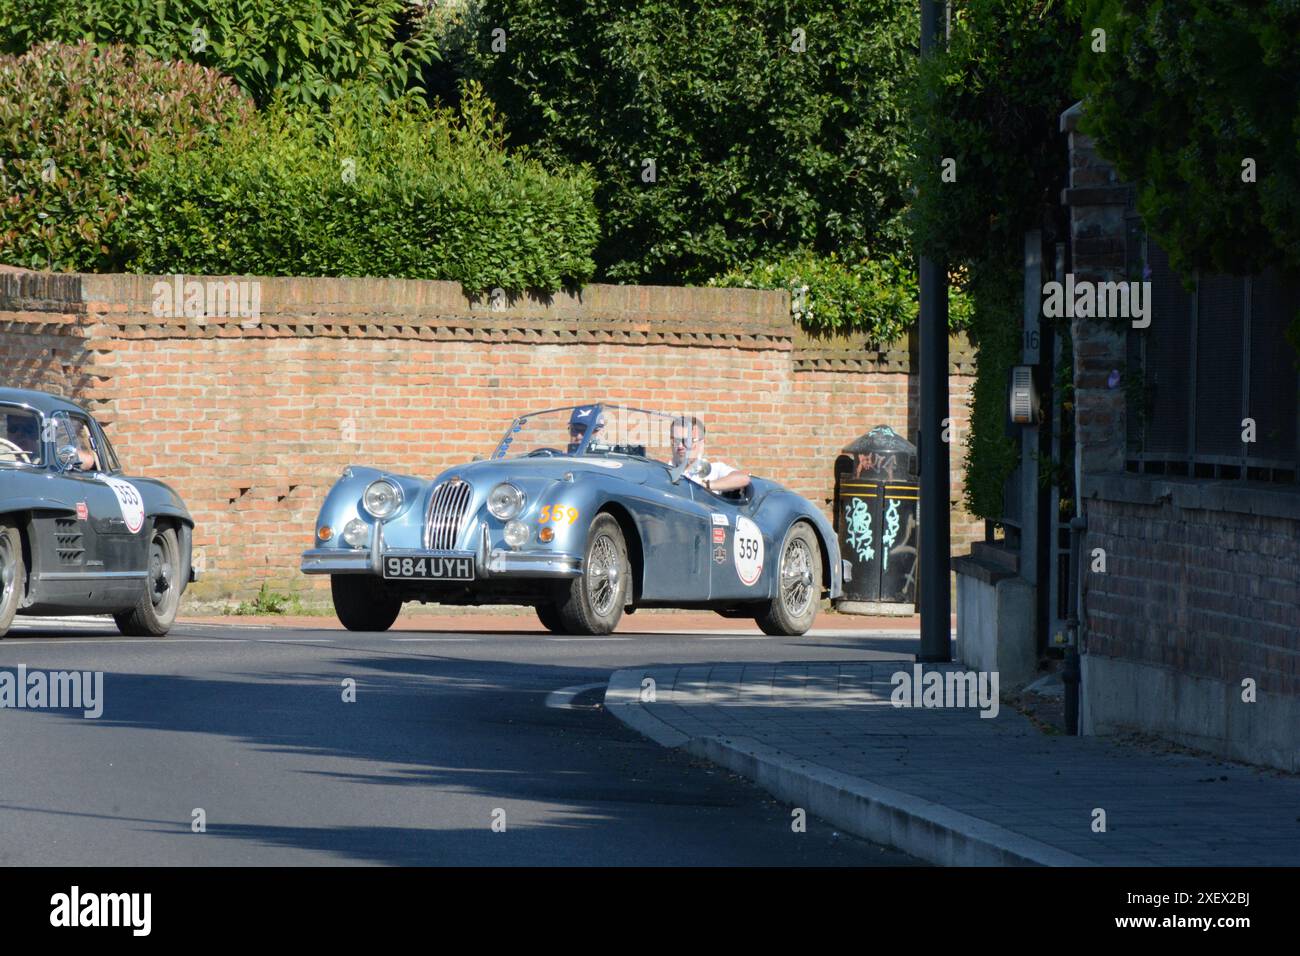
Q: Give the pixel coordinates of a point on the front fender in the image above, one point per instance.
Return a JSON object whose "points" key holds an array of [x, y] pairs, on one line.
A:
{"points": [[34, 503], [780, 509]]}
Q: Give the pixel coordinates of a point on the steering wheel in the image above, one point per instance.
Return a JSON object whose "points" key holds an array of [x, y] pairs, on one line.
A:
{"points": [[26, 458], [543, 453]]}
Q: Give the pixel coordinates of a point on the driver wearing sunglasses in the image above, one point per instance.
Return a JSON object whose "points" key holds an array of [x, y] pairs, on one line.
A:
{"points": [[687, 436]]}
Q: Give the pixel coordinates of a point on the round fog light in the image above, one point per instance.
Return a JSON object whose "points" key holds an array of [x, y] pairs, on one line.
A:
{"points": [[516, 533], [355, 533]]}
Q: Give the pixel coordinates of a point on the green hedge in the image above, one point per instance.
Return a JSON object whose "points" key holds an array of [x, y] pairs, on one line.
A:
{"points": [[832, 297], [401, 191], [76, 124], [303, 49]]}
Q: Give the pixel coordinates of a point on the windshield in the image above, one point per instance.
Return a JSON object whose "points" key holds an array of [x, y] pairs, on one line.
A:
{"points": [[20, 436], [589, 431]]}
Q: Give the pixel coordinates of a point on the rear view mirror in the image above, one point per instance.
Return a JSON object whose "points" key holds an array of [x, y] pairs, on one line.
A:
{"points": [[69, 457]]}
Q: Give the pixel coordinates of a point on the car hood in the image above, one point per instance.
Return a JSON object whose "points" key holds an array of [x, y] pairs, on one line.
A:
{"points": [[554, 469]]}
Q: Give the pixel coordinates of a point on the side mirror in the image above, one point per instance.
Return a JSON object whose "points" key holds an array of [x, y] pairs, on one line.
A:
{"points": [[68, 457], [479, 458]]}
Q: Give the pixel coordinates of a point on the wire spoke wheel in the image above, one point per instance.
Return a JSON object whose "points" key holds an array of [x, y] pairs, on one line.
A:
{"points": [[592, 603], [796, 577], [603, 575], [797, 590]]}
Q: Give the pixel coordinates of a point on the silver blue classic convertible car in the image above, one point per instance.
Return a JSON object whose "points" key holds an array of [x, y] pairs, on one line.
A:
{"points": [[581, 512], [76, 534]]}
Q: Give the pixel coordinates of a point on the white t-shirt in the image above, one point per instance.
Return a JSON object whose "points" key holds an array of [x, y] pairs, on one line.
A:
{"points": [[717, 470]]}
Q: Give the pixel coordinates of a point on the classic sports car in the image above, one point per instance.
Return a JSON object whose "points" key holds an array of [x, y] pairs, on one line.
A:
{"points": [[581, 512], [76, 535]]}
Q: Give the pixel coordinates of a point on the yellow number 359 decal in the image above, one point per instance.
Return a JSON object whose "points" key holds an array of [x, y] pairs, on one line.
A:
{"points": [[558, 514]]}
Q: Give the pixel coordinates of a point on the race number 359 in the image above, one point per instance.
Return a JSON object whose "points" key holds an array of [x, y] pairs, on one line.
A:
{"points": [[748, 549]]}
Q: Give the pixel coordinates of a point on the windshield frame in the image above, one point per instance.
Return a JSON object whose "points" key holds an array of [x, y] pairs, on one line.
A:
{"points": [[583, 450]]}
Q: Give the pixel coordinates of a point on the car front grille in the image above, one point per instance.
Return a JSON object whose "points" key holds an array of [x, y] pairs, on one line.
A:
{"points": [[447, 508]]}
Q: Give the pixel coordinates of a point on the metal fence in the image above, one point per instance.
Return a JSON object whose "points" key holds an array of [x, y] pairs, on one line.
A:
{"points": [[1212, 358]]}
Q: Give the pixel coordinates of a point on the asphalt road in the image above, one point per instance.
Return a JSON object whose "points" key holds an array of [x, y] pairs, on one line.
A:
{"points": [[447, 730]]}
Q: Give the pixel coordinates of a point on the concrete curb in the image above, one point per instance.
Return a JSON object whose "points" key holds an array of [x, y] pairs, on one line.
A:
{"points": [[623, 700], [926, 830]]}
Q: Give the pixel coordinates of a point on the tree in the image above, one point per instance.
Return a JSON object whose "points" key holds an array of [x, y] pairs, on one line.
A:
{"points": [[990, 163], [720, 132], [1198, 103], [303, 49]]}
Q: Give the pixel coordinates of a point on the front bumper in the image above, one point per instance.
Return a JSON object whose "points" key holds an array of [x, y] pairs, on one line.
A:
{"points": [[488, 562]]}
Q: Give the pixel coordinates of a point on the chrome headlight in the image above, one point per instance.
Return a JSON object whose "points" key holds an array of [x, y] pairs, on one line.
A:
{"points": [[505, 501], [382, 498], [356, 533]]}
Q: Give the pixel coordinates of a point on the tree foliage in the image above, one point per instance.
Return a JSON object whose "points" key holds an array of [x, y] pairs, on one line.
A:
{"points": [[832, 297], [991, 103], [304, 49], [1185, 93], [765, 141]]}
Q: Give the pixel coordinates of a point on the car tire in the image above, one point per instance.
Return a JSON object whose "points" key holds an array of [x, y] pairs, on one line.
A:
{"points": [[593, 602], [797, 593], [13, 575], [549, 615], [362, 603], [156, 610]]}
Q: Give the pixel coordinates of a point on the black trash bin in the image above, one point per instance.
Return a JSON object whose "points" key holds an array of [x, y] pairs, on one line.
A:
{"points": [[876, 497]]}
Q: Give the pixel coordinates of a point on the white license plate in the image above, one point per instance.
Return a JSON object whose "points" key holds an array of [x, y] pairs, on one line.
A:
{"points": [[429, 569]]}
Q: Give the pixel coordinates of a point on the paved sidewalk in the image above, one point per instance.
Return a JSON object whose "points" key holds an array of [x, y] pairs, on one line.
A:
{"points": [[954, 788]]}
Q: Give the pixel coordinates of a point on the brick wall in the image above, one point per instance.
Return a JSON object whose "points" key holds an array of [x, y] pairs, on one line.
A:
{"points": [[1210, 593], [253, 421], [1201, 586], [42, 343]]}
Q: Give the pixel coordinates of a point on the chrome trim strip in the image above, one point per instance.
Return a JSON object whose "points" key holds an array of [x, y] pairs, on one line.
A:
{"points": [[534, 565], [91, 575], [334, 561]]}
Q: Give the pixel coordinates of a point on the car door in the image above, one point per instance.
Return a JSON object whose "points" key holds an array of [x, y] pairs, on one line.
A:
{"points": [[738, 549], [104, 536], [674, 530]]}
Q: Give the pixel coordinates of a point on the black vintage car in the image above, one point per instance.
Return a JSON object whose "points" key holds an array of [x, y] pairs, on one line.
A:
{"points": [[77, 535]]}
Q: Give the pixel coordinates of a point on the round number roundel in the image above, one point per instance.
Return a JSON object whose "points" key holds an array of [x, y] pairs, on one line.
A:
{"points": [[748, 548], [129, 500]]}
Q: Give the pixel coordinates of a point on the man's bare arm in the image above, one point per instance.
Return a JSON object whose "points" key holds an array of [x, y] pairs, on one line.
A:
{"points": [[737, 479]]}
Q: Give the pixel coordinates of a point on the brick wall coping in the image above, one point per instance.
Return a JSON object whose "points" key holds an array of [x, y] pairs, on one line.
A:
{"points": [[1195, 494], [121, 306]]}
